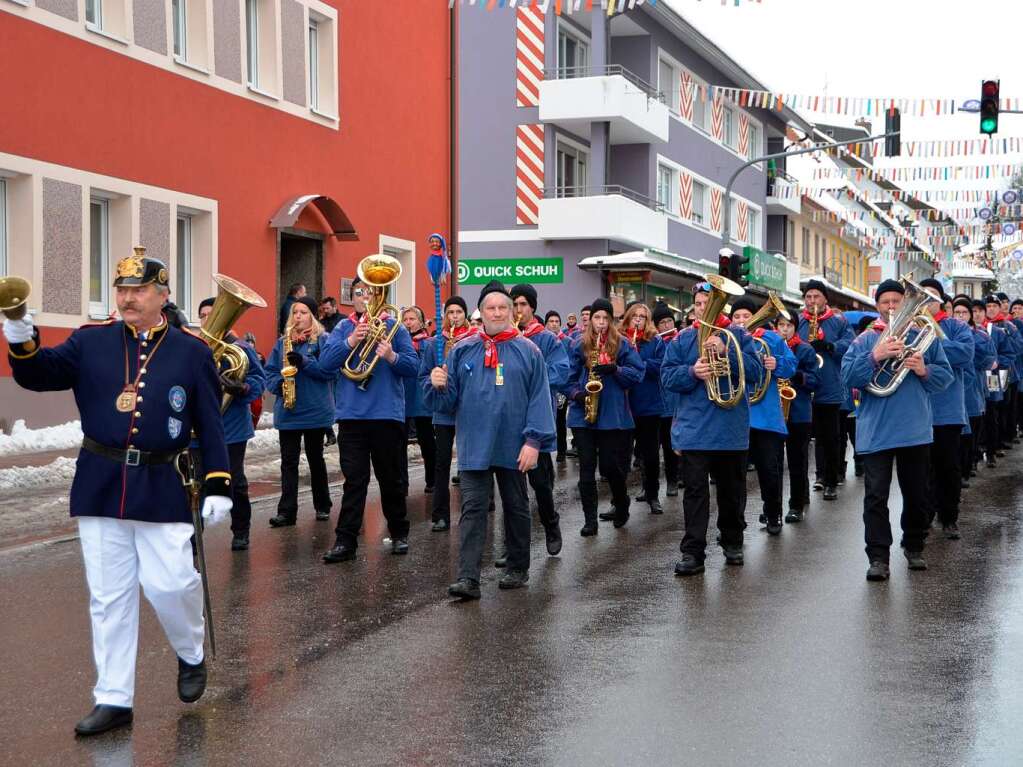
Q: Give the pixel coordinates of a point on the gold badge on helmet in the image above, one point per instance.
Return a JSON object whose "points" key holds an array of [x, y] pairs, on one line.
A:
{"points": [[130, 266]]}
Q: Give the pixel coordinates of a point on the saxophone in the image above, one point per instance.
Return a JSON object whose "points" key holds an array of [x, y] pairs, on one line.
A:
{"points": [[288, 372], [594, 386]]}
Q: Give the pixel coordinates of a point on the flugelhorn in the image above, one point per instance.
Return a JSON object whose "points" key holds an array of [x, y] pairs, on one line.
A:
{"points": [[912, 314], [732, 393], [232, 301], [14, 293], [771, 309], [376, 271]]}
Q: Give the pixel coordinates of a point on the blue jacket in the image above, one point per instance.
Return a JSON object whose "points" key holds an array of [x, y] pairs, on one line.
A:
{"points": [[613, 408], [766, 415], [668, 398], [314, 388], [414, 405], [384, 395], [493, 422], [949, 405], [645, 397], [839, 336], [238, 425], [179, 392], [805, 381], [1004, 351], [1018, 338], [904, 418], [427, 362], [556, 359], [1016, 344], [983, 358], [699, 424]]}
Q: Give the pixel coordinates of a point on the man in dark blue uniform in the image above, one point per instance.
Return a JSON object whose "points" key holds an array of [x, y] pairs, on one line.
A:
{"points": [[142, 386]]}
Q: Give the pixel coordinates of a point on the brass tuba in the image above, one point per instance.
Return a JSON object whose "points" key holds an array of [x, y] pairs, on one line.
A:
{"points": [[14, 292], [771, 309], [232, 301], [912, 314], [376, 271], [720, 366]]}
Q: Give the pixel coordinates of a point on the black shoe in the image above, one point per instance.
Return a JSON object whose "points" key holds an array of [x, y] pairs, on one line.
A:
{"points": [[341, 552], [501, 561], [915, 559], [641, 498], [1000, 454], [399, 546], [964, 484], [620, 519], [794, 515], [440, 526], [513, 579], [588, 529], [655, 507], [282, 520], [762, 519], [560, 459], [191, 681], [733, 555], [951, 531], [553, 536], [572, 453], [103, 718], [322, 515], [636, 463], [239, 542], [841, 481], [973, 471], [679, 484], [774, 527], [672, 490], [991, 463], [830, 494], [455, 480], [607, 516], [858, 471], [492, 506], [465, 589], [428, 489], [688, 565], [818, 484], [750, 467], [878, 571]]}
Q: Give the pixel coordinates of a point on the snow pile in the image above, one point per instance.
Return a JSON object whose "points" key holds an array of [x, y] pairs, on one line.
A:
{"points": [[60, 472], [25, 440], [265, 439]]}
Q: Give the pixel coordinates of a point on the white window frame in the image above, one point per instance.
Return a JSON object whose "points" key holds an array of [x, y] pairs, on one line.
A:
{"points": [[570, 148], [754, 226], [3, 226], [179, 26], [101, 308], [97, 13], [313, 60], [670, 90], [183, 266], [704, 212], [729, 127], [252, 43], [670, 204], [580, 38]]}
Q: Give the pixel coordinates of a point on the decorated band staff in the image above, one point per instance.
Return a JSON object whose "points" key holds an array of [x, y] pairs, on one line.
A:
{"points": [[604, 367], [495, 384], [711, 429], [541, 477], [372, 419], [799, 424], [894, 428], [142, 387], [948, 413], [417, 416], [645, 398], [974, 387], [664, 322], [830, 336], [303, 409]]}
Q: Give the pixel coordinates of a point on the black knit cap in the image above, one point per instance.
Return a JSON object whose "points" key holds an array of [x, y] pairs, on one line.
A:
{"points": [[816, 285], [602, 305], [743, 302], [661, 312], [491, 287], [889, 286], [962, 301], [977, 304], [585, 309], [457, 301], [930, 282], [991, 298], [1017, 302], [526, 291], [205, 302], [1002, 296], [551, 313], [310, 304]]}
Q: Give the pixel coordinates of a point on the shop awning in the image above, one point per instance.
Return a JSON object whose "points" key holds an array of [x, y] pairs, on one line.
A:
{"points": [[667, 263], [340, 226]]}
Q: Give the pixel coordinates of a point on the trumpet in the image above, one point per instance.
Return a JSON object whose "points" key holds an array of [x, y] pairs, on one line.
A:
{"points": [[733, 392], [232, 301], [771, 309], [912, 314], [594, 386], [377, 271]]}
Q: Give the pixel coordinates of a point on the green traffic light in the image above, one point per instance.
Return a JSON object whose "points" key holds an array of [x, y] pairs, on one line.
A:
{"points": [[988, 125]]}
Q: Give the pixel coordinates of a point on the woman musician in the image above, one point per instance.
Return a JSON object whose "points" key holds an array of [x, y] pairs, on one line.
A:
{"points": [[603, 368], [418, 417], [303, 410]]}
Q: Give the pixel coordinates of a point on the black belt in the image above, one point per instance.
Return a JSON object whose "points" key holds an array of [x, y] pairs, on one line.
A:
{"points": [[131, 457]]}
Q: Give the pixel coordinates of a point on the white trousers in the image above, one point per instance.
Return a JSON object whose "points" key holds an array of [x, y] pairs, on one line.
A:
{"points": [[119, 555]]}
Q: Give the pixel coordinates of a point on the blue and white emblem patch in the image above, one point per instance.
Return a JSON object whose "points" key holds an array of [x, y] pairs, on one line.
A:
{"points": [[173, 427], [177, 398]]}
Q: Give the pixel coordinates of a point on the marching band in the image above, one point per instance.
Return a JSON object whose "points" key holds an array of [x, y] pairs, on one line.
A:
{"points": [[930, 388]]}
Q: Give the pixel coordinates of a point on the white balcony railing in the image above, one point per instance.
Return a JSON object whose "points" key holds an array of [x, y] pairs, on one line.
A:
{"points": [[604, 213]]}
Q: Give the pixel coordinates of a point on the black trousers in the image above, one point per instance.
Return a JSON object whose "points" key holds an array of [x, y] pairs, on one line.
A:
{"points": [[1007, 415], [291, 446], [241, 510], [382, 443], [767, 451], [648, 445], [912, 467], [670, 456], [946, 474], [476, 487], [968, 446], [427, 446], [728, 468], [827, 432], [847, 425], [992, 440], [560, 424], [444, 440], [541, 479], [612, 450], [797, 450]]}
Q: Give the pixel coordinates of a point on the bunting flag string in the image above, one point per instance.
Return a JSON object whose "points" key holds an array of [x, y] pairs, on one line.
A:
{"points": [[1004, 212], [575, 6], [936, 148], [792, 191], [931, 173]]}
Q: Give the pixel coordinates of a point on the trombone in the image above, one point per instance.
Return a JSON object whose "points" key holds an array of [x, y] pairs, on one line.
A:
{"points": [[730, 394], [772, 309], [377, 271]]}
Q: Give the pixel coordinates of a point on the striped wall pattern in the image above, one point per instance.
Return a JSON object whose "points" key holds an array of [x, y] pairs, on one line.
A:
{"points": [[742, 223], [529, 177], [715, 209], [685, 196], [529, 56], [717, 118], [743, 134], [685, 96]]}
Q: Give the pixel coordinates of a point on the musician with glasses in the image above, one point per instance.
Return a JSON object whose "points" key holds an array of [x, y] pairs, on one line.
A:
{"points": [[894, 429], [372, 425], [831, 338], [712, 440]]}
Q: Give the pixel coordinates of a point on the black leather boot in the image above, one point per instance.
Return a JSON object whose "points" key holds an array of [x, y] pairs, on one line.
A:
{"points": [[588, 496], [103, 718], [191, 680]]}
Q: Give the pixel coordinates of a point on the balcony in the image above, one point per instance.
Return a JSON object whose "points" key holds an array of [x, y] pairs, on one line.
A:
{"points": [[574, 97], [603, 213], [782, 195]]}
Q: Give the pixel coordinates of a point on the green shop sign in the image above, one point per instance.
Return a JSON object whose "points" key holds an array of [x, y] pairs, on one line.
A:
{"points": [[765, 269], [480, 271]]}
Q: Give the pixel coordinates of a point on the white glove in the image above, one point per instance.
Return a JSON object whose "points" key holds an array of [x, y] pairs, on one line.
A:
{"points": [[18, 331], [216, 508]]}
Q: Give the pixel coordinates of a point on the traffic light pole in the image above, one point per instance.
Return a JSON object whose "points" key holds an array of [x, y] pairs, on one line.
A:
{"points": [[726, 222]]}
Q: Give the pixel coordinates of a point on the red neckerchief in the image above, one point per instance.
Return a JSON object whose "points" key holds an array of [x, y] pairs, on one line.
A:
{"points": [[632, 336], [533, 328], [356, 318], [723, 322], [878, 325], [988, 322], [602, 356], [418, 338], [794, 342], [827, 314], [940, 316], [668, 335], [461, 330], [759, 333], [561, 335], [490, 345]]}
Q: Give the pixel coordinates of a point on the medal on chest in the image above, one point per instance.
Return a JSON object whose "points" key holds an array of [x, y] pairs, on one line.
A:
{"points": [[125, 402], [499, 377]]}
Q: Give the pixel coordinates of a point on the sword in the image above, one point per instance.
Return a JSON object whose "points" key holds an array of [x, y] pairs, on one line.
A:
{"points": [[186, 470]]}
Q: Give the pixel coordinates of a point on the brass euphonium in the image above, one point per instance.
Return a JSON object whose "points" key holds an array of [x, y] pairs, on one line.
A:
{"points": [[912, 314], [594, 386], [232, 301], [720, 367], [771, 309], [376, 271]]}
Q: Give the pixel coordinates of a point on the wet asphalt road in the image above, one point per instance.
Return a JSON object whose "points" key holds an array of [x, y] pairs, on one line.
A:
{"points": [[606, 659]]}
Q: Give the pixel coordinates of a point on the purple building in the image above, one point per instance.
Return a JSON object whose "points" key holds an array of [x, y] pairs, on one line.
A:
{"points": [[592, 154]]}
